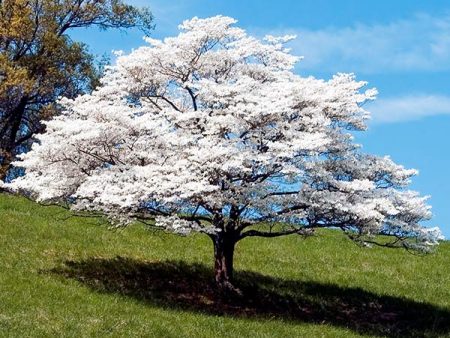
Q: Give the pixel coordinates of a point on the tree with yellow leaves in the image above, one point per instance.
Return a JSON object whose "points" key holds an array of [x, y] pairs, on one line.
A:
{"points": [[39, 62]]}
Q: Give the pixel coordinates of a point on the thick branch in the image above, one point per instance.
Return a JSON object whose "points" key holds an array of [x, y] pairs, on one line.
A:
{"points": [[256, 233], [193, 97]]}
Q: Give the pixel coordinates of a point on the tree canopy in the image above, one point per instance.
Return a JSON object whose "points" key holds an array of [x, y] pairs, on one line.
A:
{"points": [[39, 62], [211, 131]]}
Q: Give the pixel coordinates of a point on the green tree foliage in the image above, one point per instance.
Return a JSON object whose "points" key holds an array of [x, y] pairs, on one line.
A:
{"points": [[39, 62]]}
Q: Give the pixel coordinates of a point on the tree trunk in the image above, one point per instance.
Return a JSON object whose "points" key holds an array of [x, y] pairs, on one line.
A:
{"points": [[4, 165], [224, 244], [8, 140], [223, 260]]}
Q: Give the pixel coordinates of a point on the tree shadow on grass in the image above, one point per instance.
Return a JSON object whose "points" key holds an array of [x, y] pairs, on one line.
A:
{"points": [[190, 287]]}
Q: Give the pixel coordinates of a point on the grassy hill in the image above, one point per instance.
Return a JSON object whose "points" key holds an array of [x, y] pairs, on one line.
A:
{"points": [[67, 276]]}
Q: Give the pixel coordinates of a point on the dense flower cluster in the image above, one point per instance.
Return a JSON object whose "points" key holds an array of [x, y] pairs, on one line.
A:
{"points": [[211, 131]]}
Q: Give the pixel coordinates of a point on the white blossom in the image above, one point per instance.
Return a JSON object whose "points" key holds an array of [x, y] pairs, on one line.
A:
{"points": [[211, 130]]}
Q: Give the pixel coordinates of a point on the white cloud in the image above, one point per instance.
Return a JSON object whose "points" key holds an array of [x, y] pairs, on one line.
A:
{"points": [[407, 108], [421, 43]]}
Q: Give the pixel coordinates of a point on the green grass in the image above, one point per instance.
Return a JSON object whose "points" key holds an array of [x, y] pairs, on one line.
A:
{"points": [[74, 277]]}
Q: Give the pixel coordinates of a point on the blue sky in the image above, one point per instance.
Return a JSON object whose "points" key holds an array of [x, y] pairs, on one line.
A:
{"points": [[400, 47]]}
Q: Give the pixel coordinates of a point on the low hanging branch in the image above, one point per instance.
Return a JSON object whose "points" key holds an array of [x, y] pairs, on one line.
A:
{"points": [[253, 233]]}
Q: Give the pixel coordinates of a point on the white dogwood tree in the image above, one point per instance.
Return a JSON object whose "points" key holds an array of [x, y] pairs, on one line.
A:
{"points": [[212, 131]]}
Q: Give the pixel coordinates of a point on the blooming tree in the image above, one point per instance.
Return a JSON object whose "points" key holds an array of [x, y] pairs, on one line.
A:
{"points": [[211, 131]]}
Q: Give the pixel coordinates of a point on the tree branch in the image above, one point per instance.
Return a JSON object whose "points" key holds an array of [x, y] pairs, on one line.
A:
{"points": [[169, 102], [281, 193], [256, 233], [193, 97]]}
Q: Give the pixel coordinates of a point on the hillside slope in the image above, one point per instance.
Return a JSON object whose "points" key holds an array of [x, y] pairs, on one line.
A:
{"points": [[72, 276]]}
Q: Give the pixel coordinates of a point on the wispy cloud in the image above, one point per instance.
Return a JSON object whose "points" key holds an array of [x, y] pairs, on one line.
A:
{"points": [[407, 108], [418, 44], [421, 43]]}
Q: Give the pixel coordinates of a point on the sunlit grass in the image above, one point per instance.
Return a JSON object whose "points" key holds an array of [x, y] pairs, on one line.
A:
{"points": [[63, 276]]}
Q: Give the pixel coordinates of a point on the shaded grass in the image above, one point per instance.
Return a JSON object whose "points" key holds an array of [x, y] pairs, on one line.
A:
{"points": [[74, 277], [190, 287]]}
